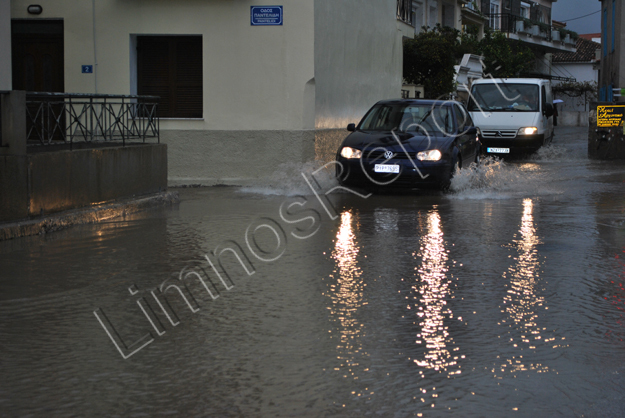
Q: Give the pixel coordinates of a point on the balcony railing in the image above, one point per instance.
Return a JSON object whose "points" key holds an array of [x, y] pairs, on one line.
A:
{"points": [[67, 118], [471, 6], [510, 23]]}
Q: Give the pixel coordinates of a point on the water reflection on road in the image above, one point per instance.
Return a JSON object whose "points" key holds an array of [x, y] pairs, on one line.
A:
{"points": [[503, 297]]}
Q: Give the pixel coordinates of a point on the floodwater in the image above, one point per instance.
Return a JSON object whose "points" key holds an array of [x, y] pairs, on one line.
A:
{"points": [[504, 297]]}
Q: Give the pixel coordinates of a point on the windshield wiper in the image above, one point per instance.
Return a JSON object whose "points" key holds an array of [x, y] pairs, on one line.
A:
{"points": [[424, 117]]}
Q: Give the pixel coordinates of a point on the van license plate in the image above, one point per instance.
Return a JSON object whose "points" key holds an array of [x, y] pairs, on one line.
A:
{"points": [[498, 150], [386, 168]]}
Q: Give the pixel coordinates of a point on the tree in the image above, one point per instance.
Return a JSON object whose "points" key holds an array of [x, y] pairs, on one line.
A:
{"points": [[430, 57], [429, 60], [504, 58]]}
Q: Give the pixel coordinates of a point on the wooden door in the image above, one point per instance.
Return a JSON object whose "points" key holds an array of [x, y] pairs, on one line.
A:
{"points": [[38, 66]]}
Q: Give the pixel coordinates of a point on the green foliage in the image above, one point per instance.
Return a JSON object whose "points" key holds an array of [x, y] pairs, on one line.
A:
{"points": [[504, 58], [430, 57], [577, 89], [544, 27], [429, 60], [582, 92]]}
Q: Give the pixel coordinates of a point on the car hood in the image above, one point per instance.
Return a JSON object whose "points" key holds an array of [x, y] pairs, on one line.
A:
{"points": [[400, 141], [505, 120]]}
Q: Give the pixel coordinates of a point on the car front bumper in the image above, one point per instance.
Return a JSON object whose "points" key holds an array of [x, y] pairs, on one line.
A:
{"points": [[412, 174], [518, 145]]}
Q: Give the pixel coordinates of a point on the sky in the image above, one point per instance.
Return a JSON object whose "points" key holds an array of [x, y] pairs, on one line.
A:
{"points": [[563, 10]]}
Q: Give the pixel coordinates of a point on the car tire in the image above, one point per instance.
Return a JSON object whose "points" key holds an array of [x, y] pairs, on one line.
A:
{"points": [[478, 156]]}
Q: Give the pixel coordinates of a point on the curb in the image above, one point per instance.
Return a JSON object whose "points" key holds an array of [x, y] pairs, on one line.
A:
{"points": [[81, 216]]}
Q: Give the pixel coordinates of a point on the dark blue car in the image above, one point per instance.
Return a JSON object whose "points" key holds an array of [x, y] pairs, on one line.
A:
{"points": [[409, 144]]}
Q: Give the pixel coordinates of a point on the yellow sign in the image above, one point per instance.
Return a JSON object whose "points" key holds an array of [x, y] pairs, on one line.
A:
{"points": [[609, 116]]}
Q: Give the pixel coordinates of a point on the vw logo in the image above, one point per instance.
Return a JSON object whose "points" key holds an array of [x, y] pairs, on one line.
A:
{"points": [[388, 155]]}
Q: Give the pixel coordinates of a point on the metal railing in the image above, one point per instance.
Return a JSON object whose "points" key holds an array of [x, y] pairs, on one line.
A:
{"points": [[66, 118], [471, 6], [510, 23]]}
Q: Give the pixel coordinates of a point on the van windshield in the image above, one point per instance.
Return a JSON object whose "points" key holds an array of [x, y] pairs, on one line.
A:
{"points": [[504, 97]]}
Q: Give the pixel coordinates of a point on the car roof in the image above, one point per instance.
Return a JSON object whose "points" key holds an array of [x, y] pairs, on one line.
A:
{"points": [[510, 80], [419, 101]]}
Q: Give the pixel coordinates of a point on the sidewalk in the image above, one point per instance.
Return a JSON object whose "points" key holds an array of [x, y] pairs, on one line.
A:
{"points": [[86, 215], [570, 132]]}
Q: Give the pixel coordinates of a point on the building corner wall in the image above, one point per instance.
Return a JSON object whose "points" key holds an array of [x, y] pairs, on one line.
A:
{"points": [[5, 45], [358, 59]]}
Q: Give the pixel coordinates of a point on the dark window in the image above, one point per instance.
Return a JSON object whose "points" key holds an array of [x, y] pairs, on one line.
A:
{"points": [[37, 48], [171, 67], [461, 117]]}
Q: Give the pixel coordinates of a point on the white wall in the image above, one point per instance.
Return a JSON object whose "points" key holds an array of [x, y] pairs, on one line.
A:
{"points": [[582, 72], [5, 45], [358, 58]]}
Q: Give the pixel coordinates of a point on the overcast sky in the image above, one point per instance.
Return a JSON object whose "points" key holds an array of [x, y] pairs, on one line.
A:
{"points": [[569, 9]]}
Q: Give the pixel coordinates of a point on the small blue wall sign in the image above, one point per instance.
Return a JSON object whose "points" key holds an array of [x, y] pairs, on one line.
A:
{"points": [[87, 69], [266, 15]]}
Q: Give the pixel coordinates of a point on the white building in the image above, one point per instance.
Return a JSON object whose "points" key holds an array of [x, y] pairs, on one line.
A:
{"points": [[582, 66], [244, 86]]}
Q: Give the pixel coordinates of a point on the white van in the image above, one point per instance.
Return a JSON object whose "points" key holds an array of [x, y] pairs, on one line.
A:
{"points": [[515, 115]]}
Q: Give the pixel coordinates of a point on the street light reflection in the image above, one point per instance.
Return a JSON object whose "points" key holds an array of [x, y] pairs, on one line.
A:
{"points": [[522, 300], [432, 290]]}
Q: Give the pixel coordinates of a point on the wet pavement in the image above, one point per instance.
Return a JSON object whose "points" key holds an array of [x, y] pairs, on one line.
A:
{"points": [[503, 297]]}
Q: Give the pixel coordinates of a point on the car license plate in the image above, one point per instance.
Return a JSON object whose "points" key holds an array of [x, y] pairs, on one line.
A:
{"points": [[386, 168], [498, 150]]}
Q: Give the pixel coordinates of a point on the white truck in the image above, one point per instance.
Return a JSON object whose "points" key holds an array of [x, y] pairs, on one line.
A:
{"points": [[515, 115]]}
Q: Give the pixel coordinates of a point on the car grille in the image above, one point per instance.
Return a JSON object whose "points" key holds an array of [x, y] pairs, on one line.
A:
{"points": [[378, 154], [503, 133]]}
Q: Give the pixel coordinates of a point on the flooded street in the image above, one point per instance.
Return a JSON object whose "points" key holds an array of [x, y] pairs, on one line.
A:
{"points": [[503, 297]]}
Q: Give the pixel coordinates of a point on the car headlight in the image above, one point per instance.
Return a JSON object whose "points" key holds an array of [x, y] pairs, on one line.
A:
{"points": [[349, 153], [531, 130], [429, 155]]}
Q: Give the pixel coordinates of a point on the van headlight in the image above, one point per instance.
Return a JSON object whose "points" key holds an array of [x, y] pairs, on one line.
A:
{"points": [[429, 155], [349, 153], [530, 130]]}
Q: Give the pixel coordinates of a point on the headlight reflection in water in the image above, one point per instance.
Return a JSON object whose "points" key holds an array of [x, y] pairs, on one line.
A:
{"points": [[431, 291], [522, 301], [347, 298]]}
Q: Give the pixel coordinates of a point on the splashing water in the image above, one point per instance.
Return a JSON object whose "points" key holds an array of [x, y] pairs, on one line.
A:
{"points": [[495, 179], [559, 153], [292, 179]]}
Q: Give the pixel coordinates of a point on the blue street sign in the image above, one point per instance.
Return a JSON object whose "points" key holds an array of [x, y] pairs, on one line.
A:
{"points": [[266, 15], [87, 69]]}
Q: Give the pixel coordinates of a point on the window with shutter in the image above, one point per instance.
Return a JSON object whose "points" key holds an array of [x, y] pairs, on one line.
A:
{"points": [[171, 67]]}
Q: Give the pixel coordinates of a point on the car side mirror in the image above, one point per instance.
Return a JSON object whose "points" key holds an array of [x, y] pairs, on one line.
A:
{"points": [[548, 110], [351, 127]]}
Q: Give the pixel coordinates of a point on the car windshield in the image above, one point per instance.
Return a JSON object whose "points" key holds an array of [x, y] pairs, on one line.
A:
{"points": [[504, 97], [424, 118]]}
